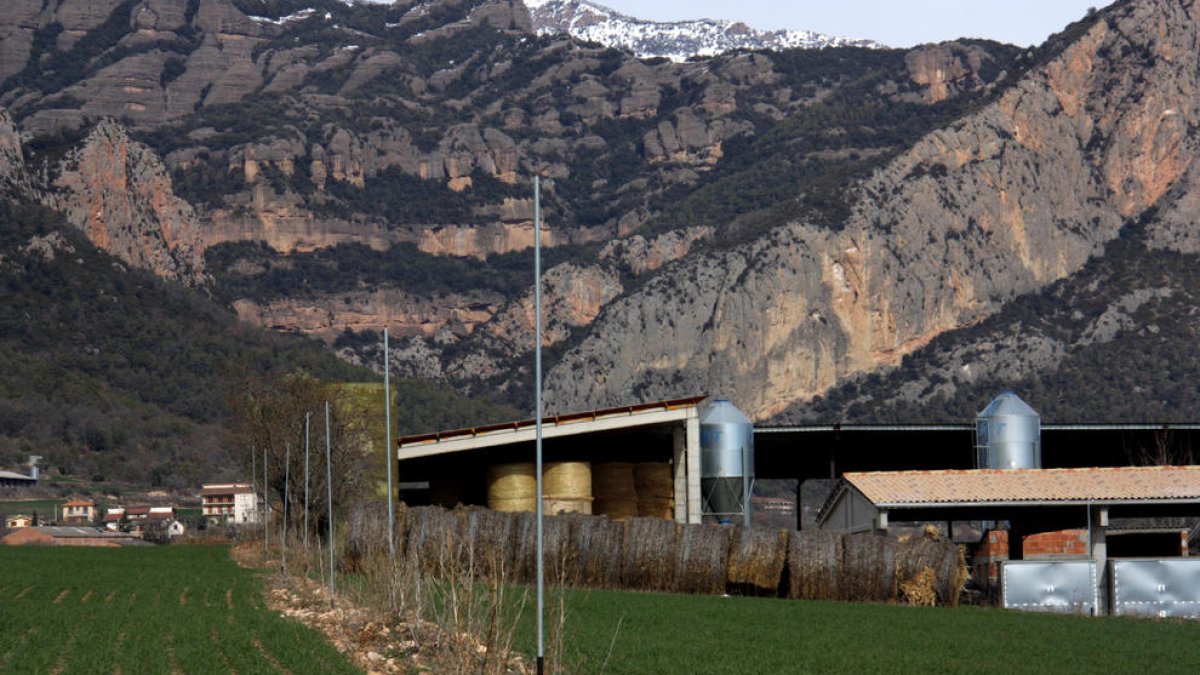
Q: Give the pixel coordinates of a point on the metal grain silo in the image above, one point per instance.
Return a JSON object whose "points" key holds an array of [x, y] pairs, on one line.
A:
{"points": [[726, 462], [1008, 434]]}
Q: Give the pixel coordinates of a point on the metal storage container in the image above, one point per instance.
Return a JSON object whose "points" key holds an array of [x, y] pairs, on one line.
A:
{"points": [[1008, 435], [726, 462]]}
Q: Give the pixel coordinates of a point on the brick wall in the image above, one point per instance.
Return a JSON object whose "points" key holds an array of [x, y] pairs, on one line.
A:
{"points": [[1052, 545]]}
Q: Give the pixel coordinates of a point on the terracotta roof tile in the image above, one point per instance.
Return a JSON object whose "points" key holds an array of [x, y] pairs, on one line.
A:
{"points": [[1028, 485]]}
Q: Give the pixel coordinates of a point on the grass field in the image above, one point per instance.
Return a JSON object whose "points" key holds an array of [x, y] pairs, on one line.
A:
{"points": [[47, 509], [701, 634], [186, 609]]}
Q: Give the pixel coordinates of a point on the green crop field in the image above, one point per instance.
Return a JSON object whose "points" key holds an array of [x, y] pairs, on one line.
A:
{"points": [[186, 609], [47, 509], [653, 633]]}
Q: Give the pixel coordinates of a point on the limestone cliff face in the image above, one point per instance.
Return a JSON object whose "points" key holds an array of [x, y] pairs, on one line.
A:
{"points": [[403, 314], [1000, 203], [14, 179], [117, 191]]}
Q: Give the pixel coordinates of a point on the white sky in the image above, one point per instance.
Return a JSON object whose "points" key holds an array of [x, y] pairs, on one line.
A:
{"points": [[896, 23]]}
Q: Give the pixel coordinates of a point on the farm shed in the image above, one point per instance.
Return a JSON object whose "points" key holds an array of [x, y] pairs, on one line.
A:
{"points": [[456, 462], [13, 479], [68, 536], [1032, 502]]}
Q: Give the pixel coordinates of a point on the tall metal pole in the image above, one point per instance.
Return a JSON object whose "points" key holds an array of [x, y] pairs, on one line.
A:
{"points": [[254, 473], [306, 416], [287, 470], [266, 511], [387, 445], [537, 376], [329, 488]]}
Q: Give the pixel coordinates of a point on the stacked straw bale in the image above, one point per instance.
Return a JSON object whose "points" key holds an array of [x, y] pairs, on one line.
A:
{"points": [[597, 546], [655, 487], [649, 555], [702, 558], [756, 560], [567, 487], [614, 490], [512, 487], [813, 564]]}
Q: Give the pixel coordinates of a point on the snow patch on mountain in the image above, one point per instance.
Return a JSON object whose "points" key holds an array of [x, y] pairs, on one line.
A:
{"points": [[675, 40]]}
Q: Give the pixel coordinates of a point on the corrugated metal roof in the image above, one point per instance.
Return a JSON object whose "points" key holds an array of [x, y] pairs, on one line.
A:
{"points": [[984, 486], [556, 420]]}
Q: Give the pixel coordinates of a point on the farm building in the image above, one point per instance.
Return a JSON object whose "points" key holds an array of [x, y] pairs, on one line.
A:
{"points": [[230, 503], [68, 536], [17, 521], [77, 511], [599, 455], [13, 479]]}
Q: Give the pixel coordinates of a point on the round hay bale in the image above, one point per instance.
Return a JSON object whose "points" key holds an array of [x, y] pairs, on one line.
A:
{"points": [[701, 559], [656, 508], [616, 509], [527, 504], [598, 545], [756, 561], [812, 562], [508, 482], [648, 562], [613, 481], [653, 480], [567, 480], [556, 505]]}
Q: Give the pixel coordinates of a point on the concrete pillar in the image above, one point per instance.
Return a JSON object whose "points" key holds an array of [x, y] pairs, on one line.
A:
{"points": [[1098, 542], [693, 467], [679, 467]]}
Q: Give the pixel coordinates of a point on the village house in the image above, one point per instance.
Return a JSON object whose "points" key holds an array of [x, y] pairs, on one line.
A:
{"points": [[17, 521], [229, 503], [79, 511]]}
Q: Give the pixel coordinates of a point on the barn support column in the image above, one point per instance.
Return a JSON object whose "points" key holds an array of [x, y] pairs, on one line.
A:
{"points": [[680, 469], [693, 467], [1098, 553]]}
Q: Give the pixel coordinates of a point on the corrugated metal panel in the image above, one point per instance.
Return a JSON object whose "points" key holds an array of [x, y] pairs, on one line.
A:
{"points": [[1162, 588], [1060, 586]]}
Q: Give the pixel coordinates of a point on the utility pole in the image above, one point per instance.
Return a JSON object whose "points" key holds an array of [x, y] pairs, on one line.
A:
{"points": [[329, 488], [287, 469], [306, 416], [387, 445], [537, 349]]}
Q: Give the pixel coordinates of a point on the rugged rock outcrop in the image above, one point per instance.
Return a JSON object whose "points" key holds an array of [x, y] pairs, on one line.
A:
{"points": [[117, 191], [1000, 203], [404, 315]]}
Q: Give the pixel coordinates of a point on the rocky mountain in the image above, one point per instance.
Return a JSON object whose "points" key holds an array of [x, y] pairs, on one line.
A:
{"points": [[787, 228], [675, 40], [1002, 202]]}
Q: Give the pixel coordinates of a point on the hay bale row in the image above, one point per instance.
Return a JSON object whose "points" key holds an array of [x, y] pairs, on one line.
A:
{"points": [[648, 562], [655, 554]]}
